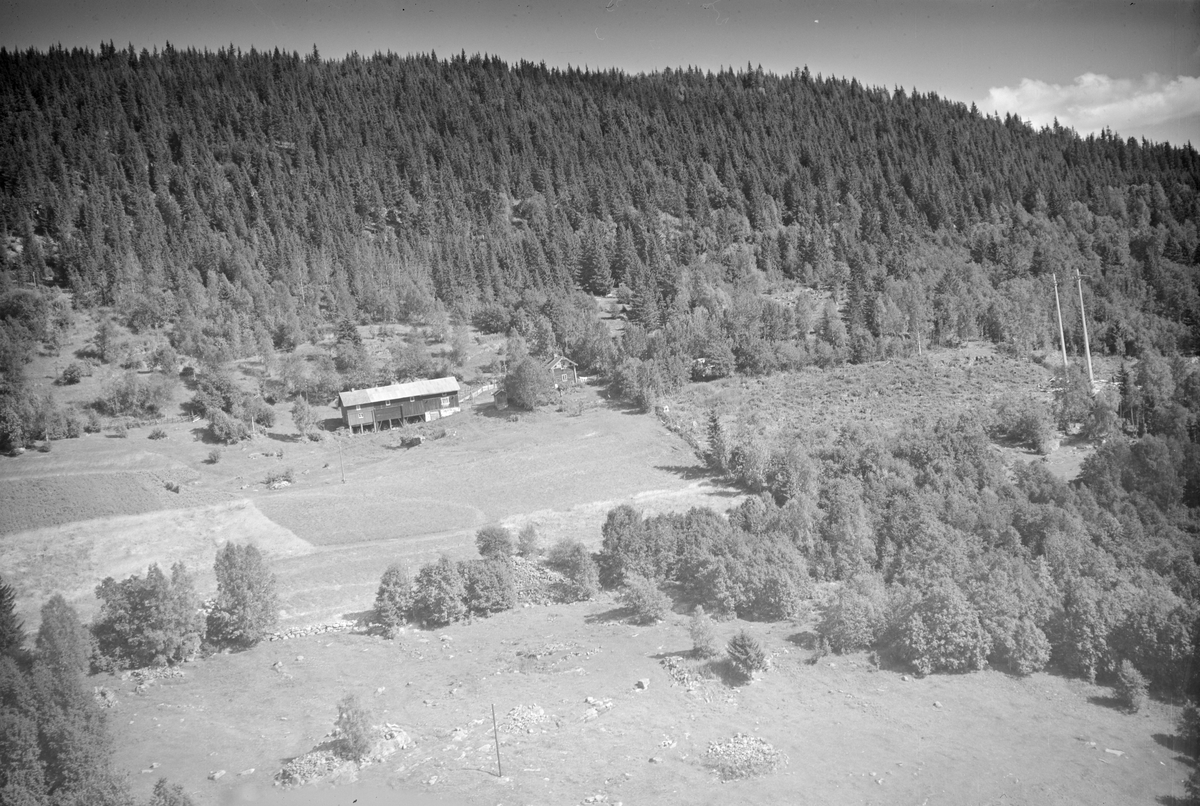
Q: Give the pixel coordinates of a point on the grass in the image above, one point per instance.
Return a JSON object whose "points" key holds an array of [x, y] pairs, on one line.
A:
{"points": [[843, 724]]}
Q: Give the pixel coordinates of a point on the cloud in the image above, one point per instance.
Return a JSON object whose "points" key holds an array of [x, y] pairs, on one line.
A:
{"points": [[1093, 101]]}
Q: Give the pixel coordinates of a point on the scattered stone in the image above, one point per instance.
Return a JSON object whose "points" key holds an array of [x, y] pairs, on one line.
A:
{"points": [[937, 704], [380, 690], [1114, 752], [216, 775], [246, 772], [656, 760], [905, 678], [105, 696], [642, 684], [299, 658]]}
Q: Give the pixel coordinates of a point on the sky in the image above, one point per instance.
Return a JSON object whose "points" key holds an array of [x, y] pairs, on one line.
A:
{"points": [[1133, 67]]}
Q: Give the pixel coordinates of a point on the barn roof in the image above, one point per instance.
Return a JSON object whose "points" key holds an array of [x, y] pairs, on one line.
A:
{"points": [[399, 391]]}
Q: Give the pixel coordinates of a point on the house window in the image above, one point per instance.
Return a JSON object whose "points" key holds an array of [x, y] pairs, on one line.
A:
{"points": [[445, 402], [358, 408]]}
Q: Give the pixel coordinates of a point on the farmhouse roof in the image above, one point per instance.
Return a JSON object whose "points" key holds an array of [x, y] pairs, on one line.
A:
{"points": [[399, 391], [558, 358]]}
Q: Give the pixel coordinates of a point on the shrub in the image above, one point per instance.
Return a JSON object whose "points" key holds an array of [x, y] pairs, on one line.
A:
{"points": [[304, 417], [494, 543], [572, 559], [855, 617], [72, 374], [1131, 687], [132, 395], [150, 621], [213, 457], [528, 384], [703, 633], [246, 606], [746, 654], [1026, 420], [489, 586], [120, 431], [44, 447], [169, 794], [1030, 650], [529, 543], [394, 598], [278, 477], [225, 428], [353, 729], [942, 633], [158, 433], [1188, 729], [440, 595], [641, 595]]}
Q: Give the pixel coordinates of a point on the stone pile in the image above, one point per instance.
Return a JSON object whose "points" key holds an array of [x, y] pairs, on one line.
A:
{"points": [[522, 719], [312, 629], [743, 756], [535, 584], [681, 674], [308, 768]]}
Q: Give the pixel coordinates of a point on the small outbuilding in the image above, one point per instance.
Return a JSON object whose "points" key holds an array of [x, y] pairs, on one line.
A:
{"points": [[563, 370], [384, 407]]}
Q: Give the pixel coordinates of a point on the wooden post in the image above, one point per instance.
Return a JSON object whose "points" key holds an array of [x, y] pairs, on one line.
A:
{"points": [[341, 464], [1062, 340], [1083, 319], [496, 735]]}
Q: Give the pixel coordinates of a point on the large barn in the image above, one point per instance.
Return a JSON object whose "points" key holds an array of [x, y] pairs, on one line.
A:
{"points": [[389, 406]]}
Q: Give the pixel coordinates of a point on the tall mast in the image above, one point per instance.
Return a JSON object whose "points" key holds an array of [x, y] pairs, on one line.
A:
{"points": [[1062, 340], [1083, 319]]}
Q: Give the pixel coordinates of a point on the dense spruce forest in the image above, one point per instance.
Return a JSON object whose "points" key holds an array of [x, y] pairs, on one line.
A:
{"points": [[232, 204]]}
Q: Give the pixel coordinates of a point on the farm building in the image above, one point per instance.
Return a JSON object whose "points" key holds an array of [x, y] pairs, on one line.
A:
{"points": [[398, 403], [563, 370]]}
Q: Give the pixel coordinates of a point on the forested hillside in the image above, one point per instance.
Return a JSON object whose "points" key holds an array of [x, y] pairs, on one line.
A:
{"points": [[244, 196]]}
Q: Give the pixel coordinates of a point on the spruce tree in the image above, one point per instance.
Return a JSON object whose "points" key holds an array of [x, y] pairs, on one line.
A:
{"points": [[12, 628]]}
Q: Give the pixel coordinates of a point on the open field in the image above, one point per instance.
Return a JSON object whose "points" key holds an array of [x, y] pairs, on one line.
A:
{"points": [[561, 473], [853, 734]]}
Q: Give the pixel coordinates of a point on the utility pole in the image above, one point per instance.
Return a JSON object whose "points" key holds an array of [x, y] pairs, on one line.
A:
{"points": [[1062, 340], [496, 736], [341, 464], [1083, 319]]}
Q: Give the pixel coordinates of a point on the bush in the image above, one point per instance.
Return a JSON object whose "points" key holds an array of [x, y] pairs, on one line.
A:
{"points": [[150, 621], [132, 395], [213, 457], [225, 428], [1131, 687], [528, 384], [353, 729], [120, 431], [572, 559], [746, 654], [440, 595], [394, 598], [72, 374], [158, 433], [246, 606], [855, 617], [529, 543], [1026, 420], [703, 633], [489, 586], [494, 543], [169, 794], [279, 477], [942, 633], [1188, 729], [641, 595]]}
